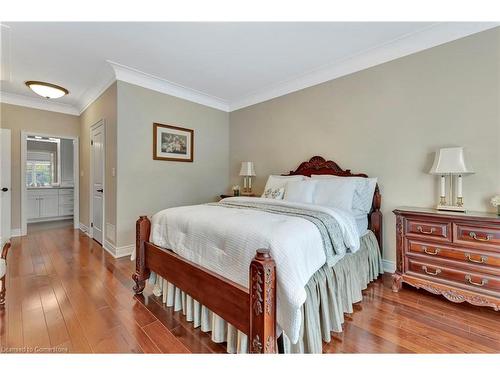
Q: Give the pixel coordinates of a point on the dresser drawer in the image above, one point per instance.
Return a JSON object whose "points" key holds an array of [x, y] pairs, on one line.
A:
{"points": [[482, 237], [467, 256], [438, 272], [437, 230]]}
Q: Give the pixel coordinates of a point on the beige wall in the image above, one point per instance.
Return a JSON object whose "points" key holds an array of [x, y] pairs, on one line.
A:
{"points": [[19, 118], [104, 108], [146, 185], [387, 121]]}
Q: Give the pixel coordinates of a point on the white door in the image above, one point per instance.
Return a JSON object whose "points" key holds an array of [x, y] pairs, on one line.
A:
{"points": [[97, 181], [5, 187]]}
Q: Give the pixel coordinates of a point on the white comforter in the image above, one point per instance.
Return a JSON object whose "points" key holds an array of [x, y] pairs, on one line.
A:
{"points": [[224, 240]]}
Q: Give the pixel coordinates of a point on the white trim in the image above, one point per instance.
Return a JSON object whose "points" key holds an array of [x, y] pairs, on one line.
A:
{"points": [[93, 93], [45, 219], [389, 265], [15, 232], [37, 103], [428, 37], [101, 122], [118, 252], [84, 229], [76, 182], [431, 36], [149, 81], [76, 176]]}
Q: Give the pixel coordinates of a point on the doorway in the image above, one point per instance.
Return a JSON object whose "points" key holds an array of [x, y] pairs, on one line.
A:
{"points": [[49, 181], [97, 181]]}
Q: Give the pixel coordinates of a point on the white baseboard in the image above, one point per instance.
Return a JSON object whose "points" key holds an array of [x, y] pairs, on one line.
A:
{"points": [[15, 232], [46, 219], [118, 251], [84, 229], [114, 251], [389, 265]]}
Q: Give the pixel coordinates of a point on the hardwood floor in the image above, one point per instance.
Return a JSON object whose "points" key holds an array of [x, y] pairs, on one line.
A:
{"points": [[66, 294]]}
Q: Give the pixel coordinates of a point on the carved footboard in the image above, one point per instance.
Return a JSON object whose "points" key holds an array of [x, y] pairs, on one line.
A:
{"points": [[252, 310]]}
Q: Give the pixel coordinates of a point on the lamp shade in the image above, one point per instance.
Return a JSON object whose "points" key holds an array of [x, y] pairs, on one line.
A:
{"points": [[247, 169], [450, 160]]}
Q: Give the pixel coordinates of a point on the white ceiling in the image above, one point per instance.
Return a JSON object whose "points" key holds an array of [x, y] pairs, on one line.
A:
{"points": [[223, 65]]}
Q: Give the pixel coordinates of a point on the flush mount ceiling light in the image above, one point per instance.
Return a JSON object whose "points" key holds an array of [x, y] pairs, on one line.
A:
{"points": [[47, 90]]}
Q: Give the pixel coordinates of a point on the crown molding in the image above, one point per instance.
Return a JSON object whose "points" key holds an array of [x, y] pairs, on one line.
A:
{"points": [[438, 33], [434, 35], [38, 103], [149, 81], [94, 92]]}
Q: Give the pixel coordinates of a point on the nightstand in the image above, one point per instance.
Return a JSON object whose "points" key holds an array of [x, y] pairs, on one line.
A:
{"points": [[453, 254]]}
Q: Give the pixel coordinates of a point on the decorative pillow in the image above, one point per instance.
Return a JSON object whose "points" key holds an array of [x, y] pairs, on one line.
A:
{"points": [[274, 193], [300, 191], [276, 182], [363, 193], [336, 193]]}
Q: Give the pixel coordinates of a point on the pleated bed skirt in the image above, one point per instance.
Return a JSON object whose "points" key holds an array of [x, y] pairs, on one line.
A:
{"points": [[331, 292]]}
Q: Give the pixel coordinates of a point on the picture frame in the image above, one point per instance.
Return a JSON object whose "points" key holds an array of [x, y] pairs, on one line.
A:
{"points": [[172, 143]]}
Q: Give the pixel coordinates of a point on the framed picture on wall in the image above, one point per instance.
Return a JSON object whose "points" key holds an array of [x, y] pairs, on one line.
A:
{"points": [[172, 143]]}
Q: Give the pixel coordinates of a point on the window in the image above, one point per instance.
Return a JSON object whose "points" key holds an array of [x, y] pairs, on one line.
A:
{"points": [[40, 169]]}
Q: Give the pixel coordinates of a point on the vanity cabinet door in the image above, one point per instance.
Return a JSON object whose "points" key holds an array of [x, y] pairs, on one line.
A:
{"points": [[49, 206], [33, 206]]}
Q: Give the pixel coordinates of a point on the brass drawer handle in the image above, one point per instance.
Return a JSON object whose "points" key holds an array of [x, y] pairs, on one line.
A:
{"points": [[421, 230], [480, 261], [474, 236], [427, 251], [436, 272], [468, 278]]}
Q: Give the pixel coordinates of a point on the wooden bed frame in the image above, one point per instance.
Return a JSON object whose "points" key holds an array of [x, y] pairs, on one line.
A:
{"points": [[252, 310]]}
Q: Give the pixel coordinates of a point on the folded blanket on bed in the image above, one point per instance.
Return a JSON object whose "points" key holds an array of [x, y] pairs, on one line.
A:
{"points": [[328, 226], [224, 238]]}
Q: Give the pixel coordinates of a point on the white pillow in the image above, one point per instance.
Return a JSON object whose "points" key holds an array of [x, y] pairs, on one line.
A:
{"points": [[335, 193], [276, 182], [363, 194], [300, 191], [271, 193]]}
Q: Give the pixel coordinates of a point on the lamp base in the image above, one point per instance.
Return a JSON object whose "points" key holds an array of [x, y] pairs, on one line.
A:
{"points": [[442, 207]]}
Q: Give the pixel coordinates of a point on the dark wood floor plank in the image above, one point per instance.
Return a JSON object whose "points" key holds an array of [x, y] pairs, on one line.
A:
{"points": [[35, 331], [164, 339], [79, 342], [66, 292]]}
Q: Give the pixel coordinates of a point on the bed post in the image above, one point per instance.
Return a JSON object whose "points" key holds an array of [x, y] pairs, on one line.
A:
{"points": [[262, 338], [376, 217], [142, 228]]}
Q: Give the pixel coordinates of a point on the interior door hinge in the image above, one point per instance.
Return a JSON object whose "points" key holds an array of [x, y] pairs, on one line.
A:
{"points": [[92, 225], [91, 142]]}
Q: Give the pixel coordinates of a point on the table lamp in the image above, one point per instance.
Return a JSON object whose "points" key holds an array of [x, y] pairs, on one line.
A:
{"points": [[450, 162], [247, 171]]}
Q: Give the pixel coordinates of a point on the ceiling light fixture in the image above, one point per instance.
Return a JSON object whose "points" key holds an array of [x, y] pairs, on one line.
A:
{"points": [[47, 90]]}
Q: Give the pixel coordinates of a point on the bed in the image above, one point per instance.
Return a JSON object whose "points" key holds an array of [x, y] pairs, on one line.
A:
{"points": [[200, 259]]}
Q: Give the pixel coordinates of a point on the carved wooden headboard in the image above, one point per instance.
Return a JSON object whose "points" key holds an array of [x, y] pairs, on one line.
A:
{"points": [[318, 165]]}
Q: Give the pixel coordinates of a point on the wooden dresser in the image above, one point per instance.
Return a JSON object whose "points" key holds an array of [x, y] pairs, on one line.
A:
{"points": [[453, 254]]}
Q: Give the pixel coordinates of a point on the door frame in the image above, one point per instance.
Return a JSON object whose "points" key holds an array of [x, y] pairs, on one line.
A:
{"points": [[5, 237], [91, 183], [76, 177]]}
